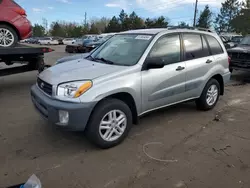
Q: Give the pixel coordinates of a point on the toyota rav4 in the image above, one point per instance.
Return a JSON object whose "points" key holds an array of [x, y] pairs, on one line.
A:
{"points": [[131, 74]]}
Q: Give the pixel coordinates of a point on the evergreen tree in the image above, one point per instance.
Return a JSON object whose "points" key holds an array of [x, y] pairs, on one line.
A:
{"points": [[205, 19]]}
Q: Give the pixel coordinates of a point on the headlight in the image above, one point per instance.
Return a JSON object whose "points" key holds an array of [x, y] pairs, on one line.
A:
{"points": [[73, 89]]}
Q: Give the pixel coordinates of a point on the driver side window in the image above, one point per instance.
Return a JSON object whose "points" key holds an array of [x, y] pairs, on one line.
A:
{"points": [[167, 49]]}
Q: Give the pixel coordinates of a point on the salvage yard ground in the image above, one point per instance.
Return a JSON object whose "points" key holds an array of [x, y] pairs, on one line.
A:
{"points": [[174, 147]]}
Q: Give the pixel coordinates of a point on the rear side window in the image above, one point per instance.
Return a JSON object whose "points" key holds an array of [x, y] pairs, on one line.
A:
{"points": [[214, 45], [195, 47]]}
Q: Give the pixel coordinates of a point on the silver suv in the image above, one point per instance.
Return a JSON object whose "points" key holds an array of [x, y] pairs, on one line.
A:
{"points": [[131, 74]]}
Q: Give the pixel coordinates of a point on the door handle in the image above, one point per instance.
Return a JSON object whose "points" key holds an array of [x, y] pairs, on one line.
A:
{"points": [[209, 61], [179, 68]]}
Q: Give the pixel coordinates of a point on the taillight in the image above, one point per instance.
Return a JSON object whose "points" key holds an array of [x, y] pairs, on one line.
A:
{"points": [[229, 60], [20, 11]]}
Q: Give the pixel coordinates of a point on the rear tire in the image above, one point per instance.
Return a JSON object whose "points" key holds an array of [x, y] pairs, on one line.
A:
{"points": [[11, 34], [101, 114], [208, 100]]}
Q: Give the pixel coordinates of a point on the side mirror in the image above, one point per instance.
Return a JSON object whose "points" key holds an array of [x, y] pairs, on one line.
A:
{"points": [[153, 63]]}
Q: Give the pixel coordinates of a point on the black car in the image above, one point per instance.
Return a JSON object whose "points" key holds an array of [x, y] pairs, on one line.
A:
{"points": [[240, 55], [33, 40], [92, 45], [79, 46]]}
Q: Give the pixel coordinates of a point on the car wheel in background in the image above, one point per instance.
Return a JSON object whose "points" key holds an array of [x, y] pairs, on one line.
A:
{"points": [[209, 96], [109, 123], [8, 36]]}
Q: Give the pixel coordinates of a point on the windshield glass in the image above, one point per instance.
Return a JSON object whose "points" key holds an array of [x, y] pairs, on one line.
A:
{"points": [[104, 39], [236, 39], [123, 49], [245, 41]]}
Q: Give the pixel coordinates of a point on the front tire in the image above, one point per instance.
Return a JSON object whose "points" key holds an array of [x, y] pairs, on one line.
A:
{"points": [[10, 37], [209, 96], [109, 124]]}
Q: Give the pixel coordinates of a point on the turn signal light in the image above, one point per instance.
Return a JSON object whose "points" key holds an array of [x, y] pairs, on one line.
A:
{"points": [[20, 11]]}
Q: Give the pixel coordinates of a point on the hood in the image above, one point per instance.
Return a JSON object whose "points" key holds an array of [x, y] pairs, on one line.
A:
{"points": [[73, 57], [240, 48], [80, 69]]}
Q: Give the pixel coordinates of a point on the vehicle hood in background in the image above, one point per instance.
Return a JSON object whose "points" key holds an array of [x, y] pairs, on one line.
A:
{"points": [[240, 48], [81, 69]]}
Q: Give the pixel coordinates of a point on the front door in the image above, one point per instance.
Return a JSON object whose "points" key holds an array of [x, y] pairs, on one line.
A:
{"points": [[164, 86]]}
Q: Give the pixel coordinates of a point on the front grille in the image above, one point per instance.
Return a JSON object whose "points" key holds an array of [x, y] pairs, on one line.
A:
{"points": [[44, 86], [239, 56]]}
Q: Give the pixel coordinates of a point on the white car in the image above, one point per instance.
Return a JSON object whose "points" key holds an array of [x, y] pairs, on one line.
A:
{"points": [[68, 41], [48, 40]]}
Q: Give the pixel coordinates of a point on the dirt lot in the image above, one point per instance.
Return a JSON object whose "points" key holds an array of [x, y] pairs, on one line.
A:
{"points": [[174, 147]]}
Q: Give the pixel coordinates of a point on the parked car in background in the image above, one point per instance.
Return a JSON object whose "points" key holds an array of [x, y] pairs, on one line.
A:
{"points": [[59, 39], [33, 40], [135, 72], [240, 55], [92, 45], [68, 41], [48, 41], [79, 46], [225, 42], [14, 25], [234, 41], [229, 36]]}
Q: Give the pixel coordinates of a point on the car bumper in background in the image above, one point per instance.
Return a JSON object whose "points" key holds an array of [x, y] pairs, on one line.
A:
{"points": [[240, 65], [78, 113]]}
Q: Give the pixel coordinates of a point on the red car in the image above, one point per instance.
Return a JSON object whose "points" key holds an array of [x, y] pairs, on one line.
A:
{"points": [[14, 25]]}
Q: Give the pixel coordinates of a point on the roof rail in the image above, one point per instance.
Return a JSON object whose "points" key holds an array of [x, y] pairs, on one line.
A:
{"points": [[188, 27]]}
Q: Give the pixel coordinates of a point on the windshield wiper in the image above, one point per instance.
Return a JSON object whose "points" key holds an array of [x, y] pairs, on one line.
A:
{"points": [[104, 60], [90, 57]]}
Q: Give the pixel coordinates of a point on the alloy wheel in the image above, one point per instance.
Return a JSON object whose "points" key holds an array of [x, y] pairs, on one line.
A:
{"points": [[112, 125], [212, 95], [6, 37]]}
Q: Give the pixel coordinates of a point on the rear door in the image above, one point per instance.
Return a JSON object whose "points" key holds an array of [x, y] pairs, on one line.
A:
{"points": [[198, 60], [217, 51]]}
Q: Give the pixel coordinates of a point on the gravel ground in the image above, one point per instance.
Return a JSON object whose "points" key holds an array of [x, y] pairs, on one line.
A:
{"points": [[173, 147]]}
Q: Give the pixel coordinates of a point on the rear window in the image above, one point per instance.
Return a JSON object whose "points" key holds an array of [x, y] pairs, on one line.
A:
{"points": [[214, 45], [194, 46]]}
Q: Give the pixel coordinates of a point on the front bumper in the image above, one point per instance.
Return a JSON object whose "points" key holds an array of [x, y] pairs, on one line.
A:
{"points": [[79, 113], [240, 65]]}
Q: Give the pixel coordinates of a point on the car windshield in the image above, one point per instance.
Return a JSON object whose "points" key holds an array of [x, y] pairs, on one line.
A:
{"points": [[236, 39], [245, 41], [124, 49]]}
